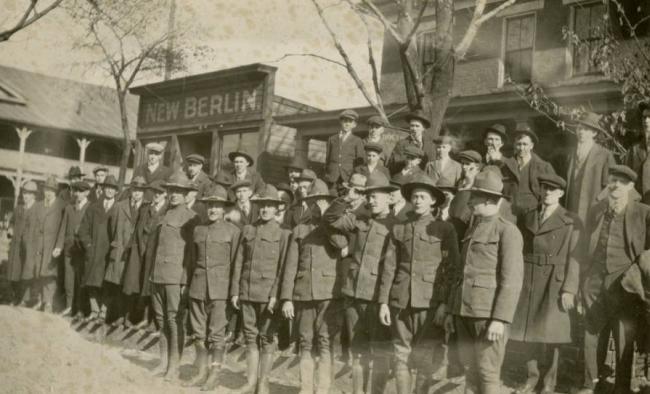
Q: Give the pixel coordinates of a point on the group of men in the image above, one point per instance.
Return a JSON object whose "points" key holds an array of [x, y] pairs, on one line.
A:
{"points": [[397, 251]]}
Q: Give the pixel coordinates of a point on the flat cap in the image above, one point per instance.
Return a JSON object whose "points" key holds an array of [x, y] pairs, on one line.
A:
{"points": [[470, 156], [554, 181], [376, 120], [100, 168], [154, 147], [306, 175], [623, 171], [349, 114], [373, 146], [223, 178], [195, 158]]}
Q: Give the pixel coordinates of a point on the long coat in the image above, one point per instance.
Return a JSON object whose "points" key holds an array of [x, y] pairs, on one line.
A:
{"points": [[537, 166], [16, 249], [73, 251], [580, 198], [162, 173], [121, 225], [94, 236], [635, 159], [341, 158], [203, 182], [43, 230], [551, 267]]}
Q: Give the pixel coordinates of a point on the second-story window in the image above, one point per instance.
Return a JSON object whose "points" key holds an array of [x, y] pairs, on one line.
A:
{"points": [[426, 43], [588, 25], [519, 43]]}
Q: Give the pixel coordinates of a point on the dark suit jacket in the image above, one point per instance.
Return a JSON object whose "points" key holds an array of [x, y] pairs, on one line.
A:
{"points": [[537, 167], [398, 159], [365, 171], [340, 160]]}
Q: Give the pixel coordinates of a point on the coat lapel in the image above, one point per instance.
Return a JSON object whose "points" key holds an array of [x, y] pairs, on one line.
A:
{"points": [[532, 221], [632, 218], [553, 222], [597, 217]]}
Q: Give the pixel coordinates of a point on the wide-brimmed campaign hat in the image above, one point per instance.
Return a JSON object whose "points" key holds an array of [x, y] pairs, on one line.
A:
{"points": [[216, 193], [399, 179], [268, 194], [233, 155], [378, 182], [157, 186], [419, 116], [75, 172], [110, 181], [423, 182], [319, 190], [179, 180], [488, 182], [356, 181]]}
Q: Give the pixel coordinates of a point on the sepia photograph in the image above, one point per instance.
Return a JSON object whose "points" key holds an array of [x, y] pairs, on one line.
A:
{"points": [[325, 196]]}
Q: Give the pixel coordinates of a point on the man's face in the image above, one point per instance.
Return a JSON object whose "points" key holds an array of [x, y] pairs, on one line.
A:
{"points": [[153, 158], [372, 157], [109, 192], [470, 169], [268, 210], [523, 146], [645, 120], [619, 186], [76, 178], [352, 195], [100, 176], [293, 184], [378, 202], [412, 161], [442, 150], [176, 196], [137, 194], [215, 211], [416, 128], [159, 197], [191, 196], [243, 194], [240, 164], [80, 195], [348, 124], [551, 195], [396, 197], [585, 134], [422, 201], [493, 142], [193, 169], [29, 197], [49, 194], [481, 205], [304, 187], [375, 131], [293, 173]]}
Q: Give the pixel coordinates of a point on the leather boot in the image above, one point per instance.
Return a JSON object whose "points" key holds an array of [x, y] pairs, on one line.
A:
{"points": [[357, 376], [172, 374], [201, 363], [402, 378], [380, 368], [324, 374], [266, 362], [252, 365], [306, 373], [163, 347], [216, 358]]}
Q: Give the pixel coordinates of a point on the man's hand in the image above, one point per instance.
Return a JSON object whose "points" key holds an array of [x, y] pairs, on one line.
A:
{"points": [[56, 252], [495, 330], [441, 313], [384, 314], [344, 252], [235, 302], [449, 324], [568, 301], [287, 310], [271, 305]]}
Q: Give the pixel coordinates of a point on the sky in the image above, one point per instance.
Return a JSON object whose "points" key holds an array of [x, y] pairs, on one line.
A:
{"points": [[238, 32]]}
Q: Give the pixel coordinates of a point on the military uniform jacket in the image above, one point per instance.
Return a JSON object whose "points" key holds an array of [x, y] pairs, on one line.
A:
{"points": [[174, 246], [342, 157], [311, 269], [121, 225], [551, 267], [492, 273], [215, 247], [371, 247], [260, 257], [43, 226], [426, 258]]}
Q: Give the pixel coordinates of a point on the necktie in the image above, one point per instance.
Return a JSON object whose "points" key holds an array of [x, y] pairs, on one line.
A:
{"points": [[542, 215], [106, 205]]}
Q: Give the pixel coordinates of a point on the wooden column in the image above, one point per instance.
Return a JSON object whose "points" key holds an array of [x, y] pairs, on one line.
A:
{"points": [[215, 156], [83, 145], [23, 134]]}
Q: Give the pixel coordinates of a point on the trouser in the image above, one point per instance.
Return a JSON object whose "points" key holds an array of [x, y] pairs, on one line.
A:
{"points": [[95, 300], [366, 333], [542, 358], [165, 302], [482, 358], [43, 289], [416, 340], [259, 326], [73, 274], [318, 320], [208, 320], [113, 300], [17, 291]]}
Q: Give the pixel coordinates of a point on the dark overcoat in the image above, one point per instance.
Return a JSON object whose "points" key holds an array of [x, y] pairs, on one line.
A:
{"points": [[73, 251], [16, 249], [341, 158], [94, 236], [537, 167], [43, 231], [398, 158], [203, 183], [365, 171], [551, 267], [162, 173], [121, 225]]}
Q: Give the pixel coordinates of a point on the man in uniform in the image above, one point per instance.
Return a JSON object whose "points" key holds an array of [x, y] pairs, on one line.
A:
{"points": [[169, 273], [153, 169], [418, 123], [215, 244], [194, 170], [487, 288], [310, 281], [344, 150], [414, 287], [255, 287], [100, 173], [371, 249], [444, 166], [73, 252], [616, 234]]}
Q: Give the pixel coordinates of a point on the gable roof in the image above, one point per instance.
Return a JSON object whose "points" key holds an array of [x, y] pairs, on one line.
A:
{"points": [[44, 101]]}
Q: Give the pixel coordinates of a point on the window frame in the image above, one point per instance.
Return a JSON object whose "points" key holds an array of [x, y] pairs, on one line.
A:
{"points": [[570, 47], [504, 41]]}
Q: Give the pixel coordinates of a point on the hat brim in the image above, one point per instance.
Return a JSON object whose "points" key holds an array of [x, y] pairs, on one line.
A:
{"points": [[96, 170], [348, 186], [233, 155], [452, 189], [592, 126], [373, 149], [381, 189], [468, 159], [553, 185], [503, 134], [318, 197], [263, 200], [194, 161], [235, 186], [532, 136], [303, 179], [351, 117], [173, 185], [215, 199], [425, 122], [76, 175], [407, 190], [488, 192]]}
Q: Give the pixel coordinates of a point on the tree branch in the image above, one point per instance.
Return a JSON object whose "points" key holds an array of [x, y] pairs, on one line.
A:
{"points": [[387, 24], [327, 59], [477, 20], [26, 20], [418, 21]]}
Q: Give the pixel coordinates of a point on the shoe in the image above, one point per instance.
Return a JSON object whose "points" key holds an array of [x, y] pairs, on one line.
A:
{"points": [[201, 363], [66, 312], [585, 391], [526, 388], [306, 374], [216, 359], [252, 365], [266, 362]]}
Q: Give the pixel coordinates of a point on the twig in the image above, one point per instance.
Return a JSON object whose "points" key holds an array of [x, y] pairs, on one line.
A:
{"points": [[387, 24], [327, 59], [477, 20], [26, 20], [418, 21]]}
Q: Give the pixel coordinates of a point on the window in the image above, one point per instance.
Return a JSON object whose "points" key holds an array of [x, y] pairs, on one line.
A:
{"points": [[519, 42], [426, 45], [588, 25]]}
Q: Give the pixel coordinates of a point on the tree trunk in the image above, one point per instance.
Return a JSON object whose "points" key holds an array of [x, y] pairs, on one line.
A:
{"points": [[126, 137]]}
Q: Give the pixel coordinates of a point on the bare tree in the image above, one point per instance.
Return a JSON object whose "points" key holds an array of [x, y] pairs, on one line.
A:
{"points": [[426, 89], [132, 37], [30, 15]]}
